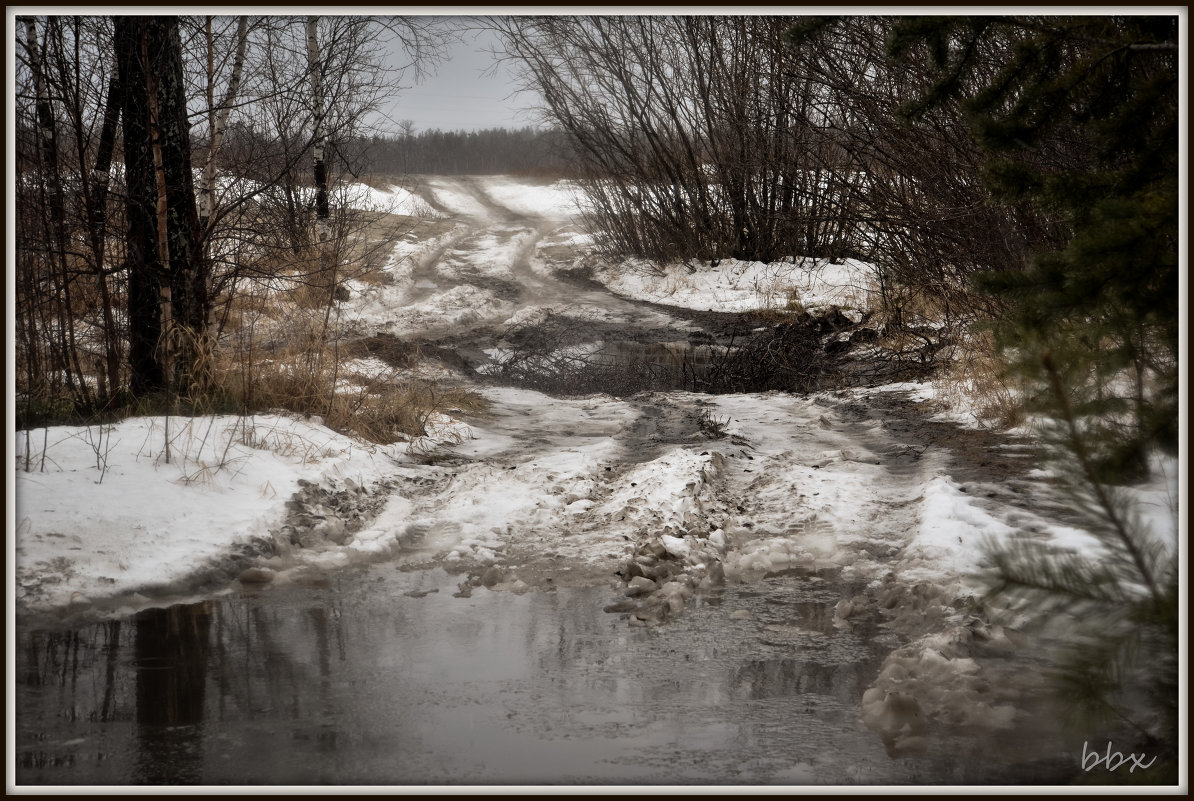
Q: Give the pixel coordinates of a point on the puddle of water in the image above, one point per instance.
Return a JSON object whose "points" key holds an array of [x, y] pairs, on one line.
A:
{"points": [[359, 682]]}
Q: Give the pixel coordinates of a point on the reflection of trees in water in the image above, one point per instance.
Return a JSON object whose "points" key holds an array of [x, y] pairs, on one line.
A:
{"points": [[171, 648], [777, 678], [56, 660], [262, 658], [169, 671]]}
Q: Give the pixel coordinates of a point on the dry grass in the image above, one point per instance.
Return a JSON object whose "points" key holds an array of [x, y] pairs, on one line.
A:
{"points": [[778, 304], [318, 381], [976, 376], [278, 355], [313, 378]]}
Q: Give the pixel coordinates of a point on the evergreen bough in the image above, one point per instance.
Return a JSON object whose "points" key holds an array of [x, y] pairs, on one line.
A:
{"points": [[1079, 116]]}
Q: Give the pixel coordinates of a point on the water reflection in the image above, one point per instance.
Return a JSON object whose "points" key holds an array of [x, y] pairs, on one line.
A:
{"points": [[759, 679], [171, 650], [361, 682]]}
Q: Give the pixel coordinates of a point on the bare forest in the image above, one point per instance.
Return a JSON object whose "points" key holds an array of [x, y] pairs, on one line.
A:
{"points": [[172, 172]]}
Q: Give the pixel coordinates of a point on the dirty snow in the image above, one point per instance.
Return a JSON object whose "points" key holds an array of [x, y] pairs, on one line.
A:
{"points": [[544, 487]]}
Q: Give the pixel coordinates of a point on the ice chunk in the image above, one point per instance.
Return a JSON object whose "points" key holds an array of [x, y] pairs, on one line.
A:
{"points": [[676, 546]]}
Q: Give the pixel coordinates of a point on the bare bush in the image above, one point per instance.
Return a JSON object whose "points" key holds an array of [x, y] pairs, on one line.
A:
{"points": [[699, 137], [926, 214]]}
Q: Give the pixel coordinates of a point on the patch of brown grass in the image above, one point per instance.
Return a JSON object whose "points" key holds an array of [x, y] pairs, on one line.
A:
{"points": [[975, 375], [303, 374], [387, 412], [781, 305]]}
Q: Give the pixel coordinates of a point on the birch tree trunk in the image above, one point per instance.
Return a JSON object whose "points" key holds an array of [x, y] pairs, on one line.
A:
{"points": [[218, 118], [315, 69], [323, 233]]}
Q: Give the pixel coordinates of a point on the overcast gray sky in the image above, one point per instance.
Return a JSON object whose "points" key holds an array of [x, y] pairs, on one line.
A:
{"points": [[464, 94]]}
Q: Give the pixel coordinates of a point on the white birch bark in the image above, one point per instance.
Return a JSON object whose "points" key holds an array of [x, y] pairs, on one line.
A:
{"points": [[315, 70], [219, 122]]}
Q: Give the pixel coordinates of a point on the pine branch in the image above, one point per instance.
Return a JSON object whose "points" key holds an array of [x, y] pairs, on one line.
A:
{"points": [[1078, 447], [1036, 569]]}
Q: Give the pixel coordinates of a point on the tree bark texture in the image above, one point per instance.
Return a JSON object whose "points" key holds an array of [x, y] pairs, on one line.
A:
{"points": [[149, 61]]}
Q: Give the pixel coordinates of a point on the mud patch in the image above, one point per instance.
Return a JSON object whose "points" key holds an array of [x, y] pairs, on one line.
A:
{"points": [[407, 353], [562, 354], [318, 514]]}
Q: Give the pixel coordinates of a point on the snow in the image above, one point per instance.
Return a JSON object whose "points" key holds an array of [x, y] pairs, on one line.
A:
{"points": [[107, 521], [557, 200], [737, 286], [103, 515], [391, 200], [103, 520], [449, 195]]}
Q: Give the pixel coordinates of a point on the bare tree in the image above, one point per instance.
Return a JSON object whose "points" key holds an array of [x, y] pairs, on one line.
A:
{"points": [[218, 113], [706, 137], [68, 274], [110, 214], [701, 138], [927, 215]]}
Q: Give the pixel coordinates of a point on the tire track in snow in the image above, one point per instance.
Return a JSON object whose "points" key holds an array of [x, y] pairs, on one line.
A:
{"points": [[554, 493], [485, 274]]}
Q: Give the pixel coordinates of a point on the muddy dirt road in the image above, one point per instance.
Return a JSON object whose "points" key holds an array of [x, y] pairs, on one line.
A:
{"points": [[612, 587]]}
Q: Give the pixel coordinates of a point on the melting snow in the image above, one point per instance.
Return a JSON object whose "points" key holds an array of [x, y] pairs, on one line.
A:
{"points": [[101, 517], [738, 286]]}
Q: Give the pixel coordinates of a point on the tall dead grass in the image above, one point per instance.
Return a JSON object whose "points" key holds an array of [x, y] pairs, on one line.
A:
{"points": [[278, 352], [975, 376], [310, 377]]}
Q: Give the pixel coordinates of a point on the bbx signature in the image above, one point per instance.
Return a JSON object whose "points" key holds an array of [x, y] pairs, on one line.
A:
{"points": [[1113, 759]]}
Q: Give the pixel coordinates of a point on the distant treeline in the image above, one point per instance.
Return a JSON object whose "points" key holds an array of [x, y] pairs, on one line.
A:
{"points": [[522, 151]]}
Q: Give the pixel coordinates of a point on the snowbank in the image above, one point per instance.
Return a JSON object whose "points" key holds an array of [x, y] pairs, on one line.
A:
{"points": [[391, 200], [738, 286], [108, 514]]}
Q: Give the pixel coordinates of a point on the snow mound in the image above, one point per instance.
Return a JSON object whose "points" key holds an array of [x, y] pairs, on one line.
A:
{"points": [[952, 532], [737, 286], [943, 679], [192, 491], [662, 495]]}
